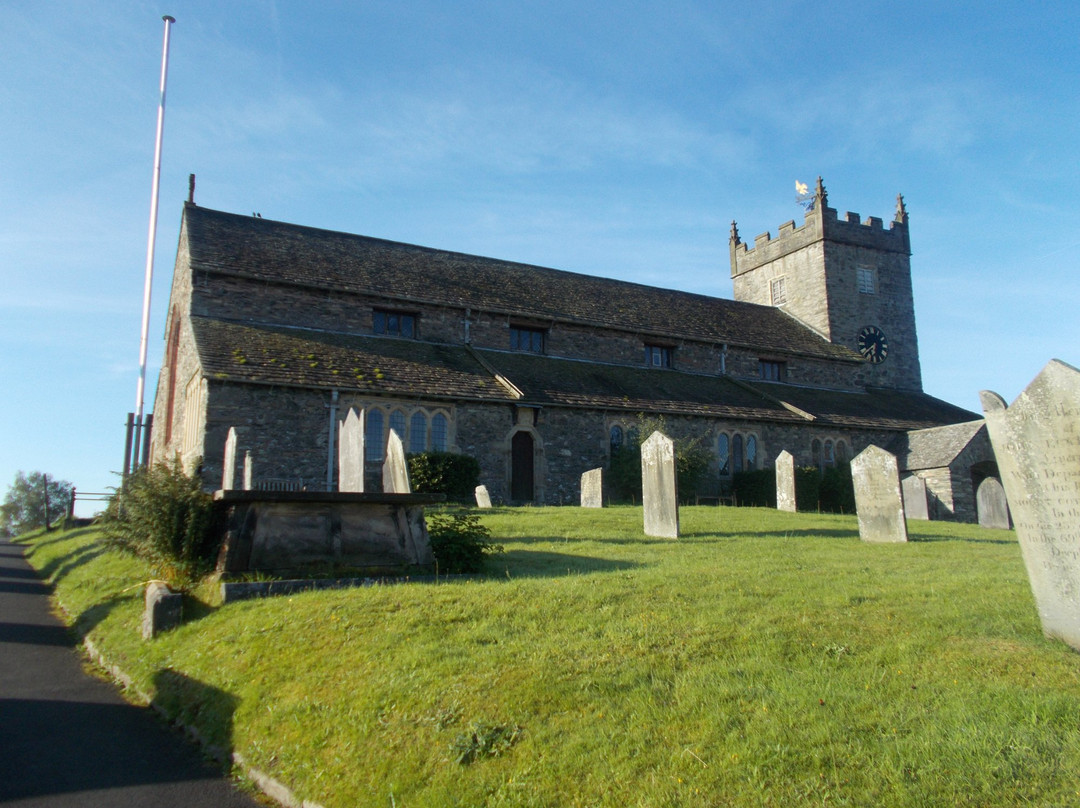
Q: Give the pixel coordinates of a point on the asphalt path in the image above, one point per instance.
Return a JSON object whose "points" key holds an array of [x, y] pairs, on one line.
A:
{"points": [[69, 739]]}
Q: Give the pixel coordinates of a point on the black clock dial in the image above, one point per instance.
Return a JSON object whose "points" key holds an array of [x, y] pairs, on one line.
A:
{"points": [[873, 344]]}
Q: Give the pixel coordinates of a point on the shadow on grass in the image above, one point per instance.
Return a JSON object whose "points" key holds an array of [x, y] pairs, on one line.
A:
{"points": [[543, 564], [205, 710]]}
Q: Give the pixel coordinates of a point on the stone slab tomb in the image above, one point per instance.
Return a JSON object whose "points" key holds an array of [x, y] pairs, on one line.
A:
{"points": [[879, 502], [916, 504], [592, 489], [395, 470], [785, 482], [351, 452], [659, 492], [483, 498], [1037, 444], [290, 530]]}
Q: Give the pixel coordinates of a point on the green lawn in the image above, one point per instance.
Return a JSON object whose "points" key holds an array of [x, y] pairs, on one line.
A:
{"points": [[762, 659]]}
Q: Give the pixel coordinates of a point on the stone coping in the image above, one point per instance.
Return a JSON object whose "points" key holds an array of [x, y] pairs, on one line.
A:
{"points": [[327, 497]]}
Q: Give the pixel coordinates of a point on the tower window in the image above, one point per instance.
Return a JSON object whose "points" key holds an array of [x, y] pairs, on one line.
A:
{"points": [[526, 339], [770, 370], [658, 356], [778, 292], [866, 280]]}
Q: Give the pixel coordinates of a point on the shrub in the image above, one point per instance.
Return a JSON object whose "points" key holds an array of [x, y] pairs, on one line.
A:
{"points": [[459, 542], [837, 490], [755, 489], [691, 462], [162, 515], [455, 475]]}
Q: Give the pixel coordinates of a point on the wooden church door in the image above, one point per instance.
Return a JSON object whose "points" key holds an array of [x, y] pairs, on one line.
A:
{"points": [[521, 467]]}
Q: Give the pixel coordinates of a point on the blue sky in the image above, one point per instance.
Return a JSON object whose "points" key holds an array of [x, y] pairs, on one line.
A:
{"points": [[612, 139]]}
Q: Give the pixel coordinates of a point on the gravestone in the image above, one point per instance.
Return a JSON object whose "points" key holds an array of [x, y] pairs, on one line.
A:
{"points": [[991, 504], [592, 489], [351, 453], [915, 502], [228, 475], [879, 502], [483, 498], [249, 471], [1037, 445], [162, 610], [659, 495], [395, 470], [785, 482]]}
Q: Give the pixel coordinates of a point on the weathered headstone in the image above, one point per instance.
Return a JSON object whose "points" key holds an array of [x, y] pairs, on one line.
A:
{"points": [[351, 452], [249, 471], [483, 498], [1037, 445], [162, 610], [592, 489], [879, 502], [228, 475], [785, 482], [991, 504], [915, 502], [659, 494], [395, 470]]}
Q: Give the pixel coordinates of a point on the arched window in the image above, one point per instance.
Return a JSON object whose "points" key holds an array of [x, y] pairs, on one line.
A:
{"points": [[751, 452], [841, 452], [815, 453], [615, 438], [633, 437], [438, 433], [417, 432], [373, 435], [723, 454], [397, 423], [737, 453], [829, 458]]}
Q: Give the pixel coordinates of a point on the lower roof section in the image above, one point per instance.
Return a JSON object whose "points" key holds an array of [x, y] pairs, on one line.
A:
{"points": [[383, 366]]}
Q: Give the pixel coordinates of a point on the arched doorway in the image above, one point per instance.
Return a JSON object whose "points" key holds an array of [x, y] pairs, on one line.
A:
{"points": [[521, 467]]}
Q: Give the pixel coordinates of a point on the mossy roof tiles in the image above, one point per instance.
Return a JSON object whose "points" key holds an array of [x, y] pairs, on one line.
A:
{"points": [[296, 357], [284, 253]]}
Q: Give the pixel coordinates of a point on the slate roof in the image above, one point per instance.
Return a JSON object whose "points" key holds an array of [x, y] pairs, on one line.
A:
{"points": [[402, 368], [277, 252], [875, 408], [936, 447]]}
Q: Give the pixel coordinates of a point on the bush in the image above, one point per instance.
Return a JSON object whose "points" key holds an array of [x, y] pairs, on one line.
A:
{"points": [[755, 489], [163, 516], [459, 542], [838, 490], [454, 475], [691, 462]]}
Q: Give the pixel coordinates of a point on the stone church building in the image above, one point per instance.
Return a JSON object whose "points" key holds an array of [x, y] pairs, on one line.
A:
{"points": [[276, 330]]}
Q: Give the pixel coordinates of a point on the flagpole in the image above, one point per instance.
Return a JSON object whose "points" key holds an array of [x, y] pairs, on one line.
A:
{"points": [[139, 394]]}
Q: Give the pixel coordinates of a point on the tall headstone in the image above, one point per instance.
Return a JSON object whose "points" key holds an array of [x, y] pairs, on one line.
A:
{"points": [[915, 502], [991, 504], [659, 494], [228, 475], [395, 471], [249, 471], [879, 502], [785, 482], [483, 498], [592, 489], [1037, 445], [351, 452]]}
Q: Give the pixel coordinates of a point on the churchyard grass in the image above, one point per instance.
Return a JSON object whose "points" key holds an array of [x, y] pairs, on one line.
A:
{"points": [[764, 658]]}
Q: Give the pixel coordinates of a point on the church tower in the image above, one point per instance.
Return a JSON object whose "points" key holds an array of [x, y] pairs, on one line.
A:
{"points": [[848, 280]]}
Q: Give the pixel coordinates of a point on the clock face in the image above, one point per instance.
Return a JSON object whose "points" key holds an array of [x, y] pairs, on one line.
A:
{"points": [[873, 344]]}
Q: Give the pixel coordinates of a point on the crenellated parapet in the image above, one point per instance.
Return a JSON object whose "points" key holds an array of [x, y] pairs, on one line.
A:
{"points": [[821, 223]]}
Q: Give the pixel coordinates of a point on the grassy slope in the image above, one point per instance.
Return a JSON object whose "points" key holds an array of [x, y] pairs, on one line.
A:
{"points": [[763, 659]]}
